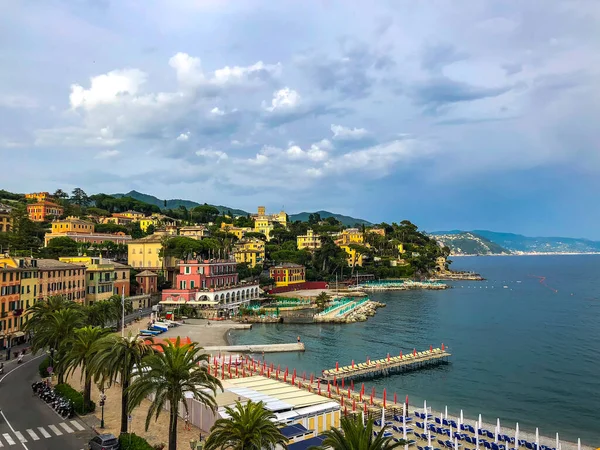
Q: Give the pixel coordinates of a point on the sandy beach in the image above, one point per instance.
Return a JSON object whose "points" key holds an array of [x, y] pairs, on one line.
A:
{"points": [[206, 333]]}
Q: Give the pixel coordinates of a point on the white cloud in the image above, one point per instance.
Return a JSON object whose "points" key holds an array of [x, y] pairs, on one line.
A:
{"points": [[183, 137], [342, 133], [107, 154], [107, 88], [217, 112], [18, 101], [256, 72], [215, 155], [283, 99]]}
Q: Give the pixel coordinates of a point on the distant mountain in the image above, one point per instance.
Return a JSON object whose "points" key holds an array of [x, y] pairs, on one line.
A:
{"points": [[176, 203], [469, 243], [346, 220], [520, 243]]}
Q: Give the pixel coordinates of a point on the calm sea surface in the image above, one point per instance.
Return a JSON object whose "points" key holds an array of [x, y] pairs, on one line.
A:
{"points": [[528, 353]]}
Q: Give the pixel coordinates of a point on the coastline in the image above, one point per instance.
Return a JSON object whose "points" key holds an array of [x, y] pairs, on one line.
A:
{"points": [[528, 254]]}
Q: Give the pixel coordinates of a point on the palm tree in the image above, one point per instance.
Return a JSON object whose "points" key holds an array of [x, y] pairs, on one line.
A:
{"points": [[250, 427], [116, 356], [170, 373], [54, 330], [101, 313], [39, 312], [353, 435], [80, 352]]}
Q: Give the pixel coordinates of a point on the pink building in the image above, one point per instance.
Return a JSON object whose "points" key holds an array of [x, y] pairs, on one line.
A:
{"points": [[212, 285]]}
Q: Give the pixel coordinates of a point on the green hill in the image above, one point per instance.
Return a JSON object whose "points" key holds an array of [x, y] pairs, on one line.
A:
{"points": [[346, 220], [176, 203]]}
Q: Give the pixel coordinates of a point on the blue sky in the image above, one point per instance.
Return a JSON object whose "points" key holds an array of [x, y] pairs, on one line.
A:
{"points": [[468, 114]]}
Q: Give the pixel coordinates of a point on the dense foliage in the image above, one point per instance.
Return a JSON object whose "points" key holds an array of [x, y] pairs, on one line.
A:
{"points": [[131, 441], [77, 398]]}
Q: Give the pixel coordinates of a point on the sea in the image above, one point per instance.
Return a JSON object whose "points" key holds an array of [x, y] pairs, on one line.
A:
{"points": [[525, 343]]}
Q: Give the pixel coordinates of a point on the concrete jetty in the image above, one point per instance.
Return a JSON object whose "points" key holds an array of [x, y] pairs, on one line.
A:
{"points": [[268, 348]]}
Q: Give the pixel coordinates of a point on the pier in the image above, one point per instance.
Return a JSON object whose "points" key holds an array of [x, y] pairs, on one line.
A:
{"points": [[389, 365], [268, 348]]}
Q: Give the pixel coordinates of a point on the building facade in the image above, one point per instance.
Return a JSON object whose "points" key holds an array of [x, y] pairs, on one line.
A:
{"points": [[18, 290], [147, 282], [122, 283], [265, 223], [238, 232], [194, 232], [61, 278], [6, 222], [72, 225], [309, 241], [249, 251], [212, 285], [44, 210], [287, 274], [99, 277]]}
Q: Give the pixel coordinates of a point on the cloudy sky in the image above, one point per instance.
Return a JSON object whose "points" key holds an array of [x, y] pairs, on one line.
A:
{"points": [[454, 114]]}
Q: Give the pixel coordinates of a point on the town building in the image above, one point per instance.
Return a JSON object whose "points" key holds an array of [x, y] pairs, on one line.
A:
{"points": [[10, 307], [239, 232], [117, 219], [287, 274], [122, 283], [99, 278], [194, 231], [135, 215], [347, 237], [379, 231], [44, 210], [6, 222], [249, 251], [211, 284], [147, 282], [83, 231], [265, 223], [144, 254], [354, 258], [39, 196], [310, 241], [157, 221], [61, 278]]}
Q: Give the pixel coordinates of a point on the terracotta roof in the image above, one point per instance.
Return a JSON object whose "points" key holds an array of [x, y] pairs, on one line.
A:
{"points": [[149, 239], [49, 264], [44, 203], [146, 273]]}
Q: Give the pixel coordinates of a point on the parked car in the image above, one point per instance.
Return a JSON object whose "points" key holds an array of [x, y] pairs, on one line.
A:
{"points": [[104, 442]]}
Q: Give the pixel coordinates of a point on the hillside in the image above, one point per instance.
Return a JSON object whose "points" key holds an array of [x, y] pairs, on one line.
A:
{"points": [[469, 243], [520, 243], [176, 203], [345, 220]]}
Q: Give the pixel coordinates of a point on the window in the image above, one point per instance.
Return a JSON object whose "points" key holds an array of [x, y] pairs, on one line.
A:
{"points": [[91, 276], [188, 270], [191, 284]]}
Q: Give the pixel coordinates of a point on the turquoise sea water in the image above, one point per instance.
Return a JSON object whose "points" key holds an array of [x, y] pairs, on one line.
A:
{"points": [[528, 353]]}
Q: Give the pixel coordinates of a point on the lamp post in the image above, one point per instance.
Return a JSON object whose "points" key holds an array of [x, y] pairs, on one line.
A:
{"points": [[102, 401]]}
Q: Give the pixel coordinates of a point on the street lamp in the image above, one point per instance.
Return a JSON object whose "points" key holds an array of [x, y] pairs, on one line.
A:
{"points": [[102, 401]]}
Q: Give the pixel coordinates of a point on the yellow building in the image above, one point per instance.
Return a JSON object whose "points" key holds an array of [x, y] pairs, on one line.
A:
{"points": [[264, 226], [309, 241], [287, 274], [250, 251], [401, 248], [197, 232], [239, 232], [133, 215], [19, 281], [264, 223], [6, 222], [39, 196], [440, 264], [99, 277], [72, 225], [157, 220], [379, 231], [354, 259], [144, 253]]}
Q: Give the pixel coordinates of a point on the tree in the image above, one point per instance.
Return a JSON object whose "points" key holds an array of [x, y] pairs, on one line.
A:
{"points": [[170, 373], [39, 313], [79, 197], [115, 357], [250, 427], [150, 229], [60, 194], [321, 300], [60, 246], [101, 313], [79, 353], [353, 435]]}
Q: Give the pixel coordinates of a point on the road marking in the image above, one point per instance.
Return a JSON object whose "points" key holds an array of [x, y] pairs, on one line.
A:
{"points": [[20, 436], [44, 432], [66, 427], [8, 439], [77, 425], [56, 430], [34, 436], [11, 429], [21, 365]]}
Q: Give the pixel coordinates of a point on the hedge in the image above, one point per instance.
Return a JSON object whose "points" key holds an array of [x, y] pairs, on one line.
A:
{"points": [[43, 367], [76, 398], [131, 441]]}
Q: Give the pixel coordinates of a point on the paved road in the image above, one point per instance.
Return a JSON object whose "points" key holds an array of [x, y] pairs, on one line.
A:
{"points": [[26, 422]]}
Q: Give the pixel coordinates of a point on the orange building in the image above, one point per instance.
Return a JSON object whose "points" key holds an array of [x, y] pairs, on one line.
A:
{"points": [[122, 282], [39, 196], [44, 210], [60, 278], [147, 281], [10, 305]]}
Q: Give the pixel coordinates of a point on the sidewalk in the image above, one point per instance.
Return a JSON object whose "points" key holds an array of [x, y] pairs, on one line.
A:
{"points": [[16, 348]]}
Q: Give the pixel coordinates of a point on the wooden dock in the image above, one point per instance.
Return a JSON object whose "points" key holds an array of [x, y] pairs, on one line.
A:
{"points": [[390, 365]]}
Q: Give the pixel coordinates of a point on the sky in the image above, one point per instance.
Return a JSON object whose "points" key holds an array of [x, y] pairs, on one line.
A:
{"points": [[453, 114]]}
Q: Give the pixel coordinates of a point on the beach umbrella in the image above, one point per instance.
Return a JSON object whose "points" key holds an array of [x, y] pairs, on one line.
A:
{"points": [[353, 364], [348, 392], [328, 388], [441, 418], [431, 351], [480, 422], [383, 417], [429, 438], [498, 425], [537, 439], [400, 354], [517, 436], [365, 411], [578, 443], [425, 413], [337, 389], [462, 420], [414, 352], [455, 443], [388, 357], [477, 435], [443, 348], [496, 435], [236, 370], [337, 366], [311, 378], [446, 413], [557, 442], [368, 360], [343, 382], [406, 401], [395, 398], [304, 376], [335, 379], [404, 421]]}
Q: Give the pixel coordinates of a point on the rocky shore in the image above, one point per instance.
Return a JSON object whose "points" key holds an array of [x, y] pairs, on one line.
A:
{"points": [[463, 276], [359, 314]]}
